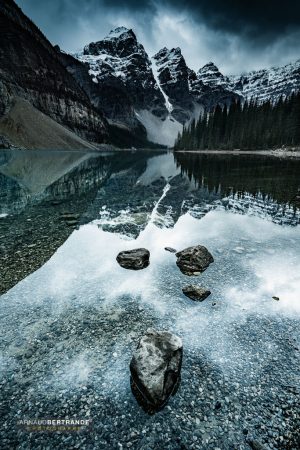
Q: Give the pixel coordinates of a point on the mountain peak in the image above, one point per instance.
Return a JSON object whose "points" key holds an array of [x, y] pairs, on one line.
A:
{"points": [[166, 50], [165, 55], [120, 42], [120, 33], [209, 74], [210, 66]]}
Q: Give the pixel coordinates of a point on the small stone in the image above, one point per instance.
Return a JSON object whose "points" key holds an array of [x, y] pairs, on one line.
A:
{"points": [[136, 259], [28, 354], [275, 298], [218, 405], [195, 293], [70, 216], [194, 260], [72, 223], [170, 249]]}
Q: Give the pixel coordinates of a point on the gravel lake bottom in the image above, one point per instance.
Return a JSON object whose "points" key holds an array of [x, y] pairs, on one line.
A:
{"points": [[71, 317]]}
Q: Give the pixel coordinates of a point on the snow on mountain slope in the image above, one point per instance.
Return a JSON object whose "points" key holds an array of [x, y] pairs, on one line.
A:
{"points": [[172, 74], [268, 83], [165, 93], [120, 56], [210, 74], [160, 131], [265, 84], [168, 104], [119, 59]]}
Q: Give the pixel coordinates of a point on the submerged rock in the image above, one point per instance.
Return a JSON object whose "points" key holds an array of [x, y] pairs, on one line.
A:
{"points": [[155, 369], [70, 216], [170, 249], [194, 260], [134, 259], [196, 293], [4, 143], [256, 445], [72, 222]]}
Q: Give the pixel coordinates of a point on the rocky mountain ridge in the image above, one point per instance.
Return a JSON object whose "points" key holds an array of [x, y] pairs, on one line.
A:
{"points": [[268, 84], [123, 84], [163, 92], [121, 55], [264, 84]]}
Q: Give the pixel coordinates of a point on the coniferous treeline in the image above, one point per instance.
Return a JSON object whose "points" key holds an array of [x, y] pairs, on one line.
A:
{"points": [[248, 126]]}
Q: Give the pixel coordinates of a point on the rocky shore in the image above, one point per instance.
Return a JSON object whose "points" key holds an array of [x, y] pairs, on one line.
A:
{"points": [[29, 239]]}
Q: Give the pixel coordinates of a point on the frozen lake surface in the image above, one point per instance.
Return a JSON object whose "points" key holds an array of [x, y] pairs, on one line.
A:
{"points": [[68, 329]]}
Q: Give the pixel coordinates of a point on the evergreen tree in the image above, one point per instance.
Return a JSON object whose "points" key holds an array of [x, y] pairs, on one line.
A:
{"points": [[248, 126]]}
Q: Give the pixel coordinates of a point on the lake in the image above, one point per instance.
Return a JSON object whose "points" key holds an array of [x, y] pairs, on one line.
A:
{"points": [[71, 317]]}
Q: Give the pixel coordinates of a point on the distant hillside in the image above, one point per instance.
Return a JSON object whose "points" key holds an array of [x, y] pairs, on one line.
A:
{"points": [[27, 127]]}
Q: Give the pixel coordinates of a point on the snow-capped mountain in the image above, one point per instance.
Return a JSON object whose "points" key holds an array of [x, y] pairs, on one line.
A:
{"points": [[189, 93], [268, 83], [208, 90], [173, 79], [265, 84], [160, 95], [112, 90], [210, 75], [121, 55], [119, 63]]}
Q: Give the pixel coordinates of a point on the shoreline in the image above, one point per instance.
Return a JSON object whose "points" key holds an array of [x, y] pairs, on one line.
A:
{"points": [[111, 149], [277, 153]]}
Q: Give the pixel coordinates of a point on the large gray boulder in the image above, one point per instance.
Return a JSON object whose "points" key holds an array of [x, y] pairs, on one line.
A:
{"points": [[155, 369], [194, 260], [134, 259]]}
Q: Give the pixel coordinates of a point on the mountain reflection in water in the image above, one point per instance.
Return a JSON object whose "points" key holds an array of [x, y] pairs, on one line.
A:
{"points": [[44, 196]]}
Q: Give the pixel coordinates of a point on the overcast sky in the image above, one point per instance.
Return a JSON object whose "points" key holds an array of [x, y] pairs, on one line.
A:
{"points": [[237, 35]]}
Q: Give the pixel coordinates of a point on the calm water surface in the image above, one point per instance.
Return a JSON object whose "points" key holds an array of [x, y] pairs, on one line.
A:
{"points": [[70, 316]]}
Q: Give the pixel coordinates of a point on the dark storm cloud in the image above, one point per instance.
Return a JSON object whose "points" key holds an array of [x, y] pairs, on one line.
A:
{"points": [[269, 17], [236, 34]]}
